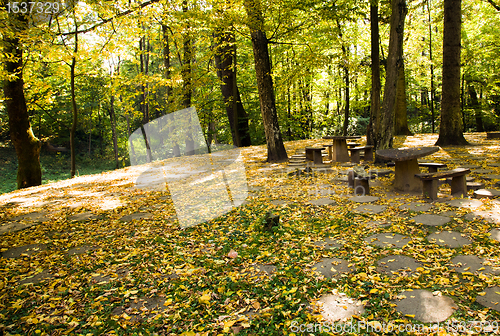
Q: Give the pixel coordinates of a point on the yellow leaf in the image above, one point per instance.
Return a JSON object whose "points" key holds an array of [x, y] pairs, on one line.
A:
{"points": [[482, 293], [373, 290], [228, 325], [293, 290], [410, 315], [205, 298], [167, 302]]}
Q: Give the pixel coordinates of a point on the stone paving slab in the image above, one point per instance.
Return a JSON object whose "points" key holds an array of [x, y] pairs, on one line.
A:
{"points": [[489, 216], [491, 177], [370, 208], [364, 199], [397, 265], [378, 224], [136, 216], [328, 243], [139, 308], [37, 278], [323, 201], [80, 250], [332, 267], [495, 234], [490, 299], [425, 305], [470, 166], [84, 216], [451, 239], [486, 193], [26, 250], [471, 263], [465, 203], [339, 307], [431, 220], [482, 171], [38, 217], [278, 202], [415, 206], [15, 226], [387, 239]]}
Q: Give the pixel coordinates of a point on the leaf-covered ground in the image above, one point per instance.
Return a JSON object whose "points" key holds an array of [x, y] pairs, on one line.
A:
{"points": [[98, 256]]}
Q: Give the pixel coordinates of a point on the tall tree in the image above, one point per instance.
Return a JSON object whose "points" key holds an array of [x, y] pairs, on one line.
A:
{"points": [[26, 144], [275, 149], [73, 101], [385, 126], [375, 67], [450, 129], [401, 115], [225, 62]]}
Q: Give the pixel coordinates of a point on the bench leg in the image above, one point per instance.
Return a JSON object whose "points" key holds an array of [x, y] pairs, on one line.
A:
{"points": [[369, 154], [350, 179], [459, 186], [317, 157], [361, 187], [433, 169], [355, 156], [430, 189], [309, 154]]}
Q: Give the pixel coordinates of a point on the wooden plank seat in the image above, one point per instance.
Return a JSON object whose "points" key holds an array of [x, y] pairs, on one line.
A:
{"points": [[432, 166], [314, 154], [493, 135], [353, 144], [355, 153], [458, 185]]}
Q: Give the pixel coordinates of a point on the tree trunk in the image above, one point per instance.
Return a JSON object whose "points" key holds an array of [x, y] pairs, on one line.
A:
{"points": [[166, 64], [375, 67], [112, 119], [401, 117], [27, 146], [384, 129], [73, 105], [347, 99], [450, 130], [474, 103], [225, 62], [275, 149], [433, 90]]}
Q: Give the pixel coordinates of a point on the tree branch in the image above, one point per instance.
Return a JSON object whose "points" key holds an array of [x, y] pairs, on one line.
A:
{"points": [[104, 21], [496, 6]]}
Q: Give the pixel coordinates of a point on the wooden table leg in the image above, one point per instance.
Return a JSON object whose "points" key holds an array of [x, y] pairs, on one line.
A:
{"points": [[339, 150], [317, 157], [405, 179]]}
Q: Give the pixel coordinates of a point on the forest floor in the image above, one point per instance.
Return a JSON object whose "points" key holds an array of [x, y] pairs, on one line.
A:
{"points": [[55, 166], [99, 255]]}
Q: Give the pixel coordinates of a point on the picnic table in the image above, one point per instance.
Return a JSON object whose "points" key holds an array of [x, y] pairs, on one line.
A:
{"points": [[406, 165], [338, 152]]}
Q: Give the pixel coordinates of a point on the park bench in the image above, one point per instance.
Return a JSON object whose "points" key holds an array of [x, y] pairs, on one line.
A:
{"points": [[314, 154], [458, 185], [355, 153], [432, 166], [493, 135]]}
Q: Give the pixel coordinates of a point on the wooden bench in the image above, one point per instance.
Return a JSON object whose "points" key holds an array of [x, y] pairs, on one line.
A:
{"points": [[353, 144], [493, 135], [432, 166], [458, 185], [355, 153], [314, 154]]}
